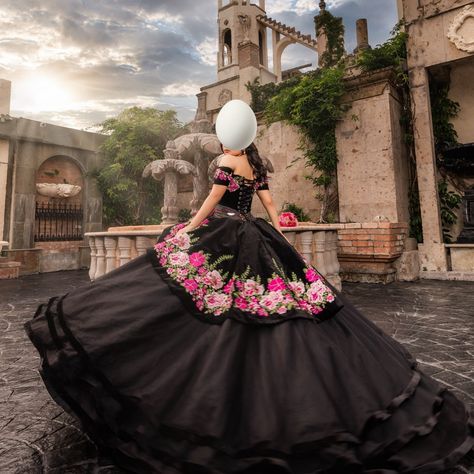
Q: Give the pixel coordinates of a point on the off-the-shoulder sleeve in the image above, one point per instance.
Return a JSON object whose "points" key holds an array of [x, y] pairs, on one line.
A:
{"points": [[262, 183], [223, 175]]}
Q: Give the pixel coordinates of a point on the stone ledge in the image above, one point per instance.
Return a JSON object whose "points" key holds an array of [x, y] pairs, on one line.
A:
{"points": [[458, 276]]}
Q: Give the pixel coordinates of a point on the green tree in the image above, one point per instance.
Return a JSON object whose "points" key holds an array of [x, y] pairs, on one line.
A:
{"points": [[135, 137]]}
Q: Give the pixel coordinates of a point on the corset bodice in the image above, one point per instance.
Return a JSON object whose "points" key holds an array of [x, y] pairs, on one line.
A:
{"points": [[240, 190]]}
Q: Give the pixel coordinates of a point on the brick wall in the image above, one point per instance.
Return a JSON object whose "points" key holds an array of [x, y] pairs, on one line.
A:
{"points": [[367, 251]]}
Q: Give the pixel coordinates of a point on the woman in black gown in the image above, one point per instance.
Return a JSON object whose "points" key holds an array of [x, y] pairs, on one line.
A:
{"points": [[222, 350]]}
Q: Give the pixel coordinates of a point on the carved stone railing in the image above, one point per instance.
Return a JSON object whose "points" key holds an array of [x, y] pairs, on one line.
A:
{"points": [[317, 243]]}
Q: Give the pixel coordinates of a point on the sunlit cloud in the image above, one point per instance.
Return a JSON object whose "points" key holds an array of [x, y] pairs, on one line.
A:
{"points": [[180, 89], [207, 50]]}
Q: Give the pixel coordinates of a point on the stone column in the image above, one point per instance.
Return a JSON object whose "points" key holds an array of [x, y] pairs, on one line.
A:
{"points": [[362, 35], [22, 230], [4, 154], [5, 96], [248, 56], [276, 57], [432, 251]]}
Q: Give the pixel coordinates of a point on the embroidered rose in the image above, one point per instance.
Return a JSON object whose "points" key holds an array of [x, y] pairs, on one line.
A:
{"points": [[276, 284], [268, 302], [217, 302], [181, 240], [196, 259], [297, 287], [224, 176], [311, 274], [229, 286], [213, 279], [252, 287], [190, 285], [178, 258]]}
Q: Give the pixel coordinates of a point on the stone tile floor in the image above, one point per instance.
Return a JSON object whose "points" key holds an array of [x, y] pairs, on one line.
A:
{"points": [[434, 319]]}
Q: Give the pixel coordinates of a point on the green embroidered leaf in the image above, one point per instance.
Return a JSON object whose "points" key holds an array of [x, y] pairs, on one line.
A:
{"points": [[245, 274], [279, 269], [221, 259]]}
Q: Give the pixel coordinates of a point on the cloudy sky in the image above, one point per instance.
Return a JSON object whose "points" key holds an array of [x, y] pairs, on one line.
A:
{"points": [[77, 62]]}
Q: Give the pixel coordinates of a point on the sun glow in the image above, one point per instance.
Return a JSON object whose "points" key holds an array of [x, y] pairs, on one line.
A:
{"points": [[39, 93]]}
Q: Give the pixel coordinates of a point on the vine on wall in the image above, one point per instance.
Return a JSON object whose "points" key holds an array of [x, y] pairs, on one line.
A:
{"points": [[333, 27], [443, 110]]}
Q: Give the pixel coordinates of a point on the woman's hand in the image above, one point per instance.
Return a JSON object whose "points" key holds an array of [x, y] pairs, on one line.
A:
{"points": [[187, 228]]}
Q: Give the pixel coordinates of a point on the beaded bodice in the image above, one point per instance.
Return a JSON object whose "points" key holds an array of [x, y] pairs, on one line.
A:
{"points": [[240, 190]]}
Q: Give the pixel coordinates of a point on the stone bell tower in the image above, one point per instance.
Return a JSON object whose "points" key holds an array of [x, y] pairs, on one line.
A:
{"points": [[242, 55], [242, 42]]}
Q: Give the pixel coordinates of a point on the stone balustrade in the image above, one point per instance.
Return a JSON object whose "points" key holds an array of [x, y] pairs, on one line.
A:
{"points": [[317, 243]]}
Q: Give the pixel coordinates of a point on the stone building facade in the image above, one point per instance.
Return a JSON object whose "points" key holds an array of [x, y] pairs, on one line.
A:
{"points": [[440, 43], [47, 199]]}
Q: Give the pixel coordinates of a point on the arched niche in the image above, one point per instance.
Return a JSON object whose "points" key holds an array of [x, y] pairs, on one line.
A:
{"points": [[61, 169]]}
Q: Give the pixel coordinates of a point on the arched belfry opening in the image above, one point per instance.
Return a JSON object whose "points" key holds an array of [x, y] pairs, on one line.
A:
{"points": [[226, 47], [261, 45]]}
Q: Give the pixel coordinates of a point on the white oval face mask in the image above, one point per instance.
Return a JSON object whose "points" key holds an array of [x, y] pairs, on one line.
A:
{"points": [[236, 125]]}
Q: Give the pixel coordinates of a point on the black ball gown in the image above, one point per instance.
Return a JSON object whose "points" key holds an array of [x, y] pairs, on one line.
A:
{"points": [[222, 350]]}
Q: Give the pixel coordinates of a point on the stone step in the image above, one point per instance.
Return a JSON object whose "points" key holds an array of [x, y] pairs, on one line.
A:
{"points": [[8, 269]]}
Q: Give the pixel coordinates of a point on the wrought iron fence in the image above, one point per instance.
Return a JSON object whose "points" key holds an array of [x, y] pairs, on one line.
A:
{"points": [[58, 221]]}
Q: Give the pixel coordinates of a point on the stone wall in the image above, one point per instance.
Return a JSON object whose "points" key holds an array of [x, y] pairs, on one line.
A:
{"points": [[34, 144], [54, 256], [372, 171]]}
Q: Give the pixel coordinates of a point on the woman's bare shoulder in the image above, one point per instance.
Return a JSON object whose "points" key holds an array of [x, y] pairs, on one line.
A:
{"points": [[227, 160]]}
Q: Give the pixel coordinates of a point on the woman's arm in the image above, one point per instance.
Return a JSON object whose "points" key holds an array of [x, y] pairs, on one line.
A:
{"points": [[215, 195], [267, 201]]}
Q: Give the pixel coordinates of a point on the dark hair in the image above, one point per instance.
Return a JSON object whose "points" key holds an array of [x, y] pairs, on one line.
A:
{"points": [[255, 161]]}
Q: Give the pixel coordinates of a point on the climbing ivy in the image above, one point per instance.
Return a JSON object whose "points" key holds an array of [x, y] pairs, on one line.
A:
{"points": [[450, 202], [443, 110], [314, 105], [392, 53], [262, 93], [334, 30]]}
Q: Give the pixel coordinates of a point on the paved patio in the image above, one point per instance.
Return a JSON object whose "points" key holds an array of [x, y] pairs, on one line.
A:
{"points": [[434, 319]]}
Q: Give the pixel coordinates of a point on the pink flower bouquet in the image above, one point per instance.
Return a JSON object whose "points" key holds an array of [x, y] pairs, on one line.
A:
{"points": [[288, 219]]}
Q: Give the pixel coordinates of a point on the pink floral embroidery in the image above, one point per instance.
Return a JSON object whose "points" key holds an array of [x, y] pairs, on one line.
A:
{"points": [[235, 179], [225, 176], [261, 182], [215, 292]]}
